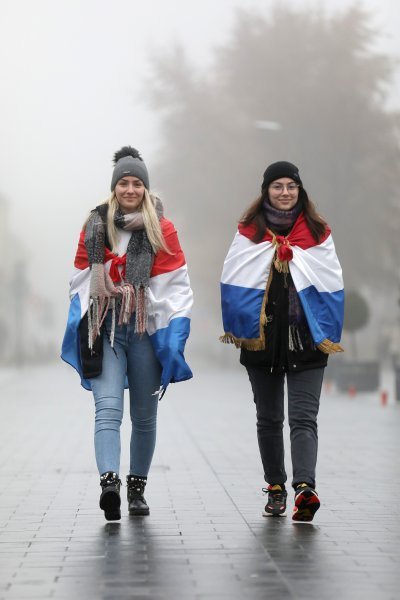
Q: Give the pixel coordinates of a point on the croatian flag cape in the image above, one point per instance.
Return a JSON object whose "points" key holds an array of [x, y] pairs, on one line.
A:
{"points": [[316, 274], [169, 299]]}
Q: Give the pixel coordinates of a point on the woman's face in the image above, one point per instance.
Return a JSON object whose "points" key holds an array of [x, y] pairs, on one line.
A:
{"points": [[283, 193], [130, 193]]}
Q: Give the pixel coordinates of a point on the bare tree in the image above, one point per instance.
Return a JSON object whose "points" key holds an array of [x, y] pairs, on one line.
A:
{"points": [[295, 86]]}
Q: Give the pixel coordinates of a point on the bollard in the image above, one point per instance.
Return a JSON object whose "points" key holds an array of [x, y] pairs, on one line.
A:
{"points": [[352, 391], [384, 398]]}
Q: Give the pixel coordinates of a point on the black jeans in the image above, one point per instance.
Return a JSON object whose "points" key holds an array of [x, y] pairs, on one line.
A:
{"points": [[304, 390]]}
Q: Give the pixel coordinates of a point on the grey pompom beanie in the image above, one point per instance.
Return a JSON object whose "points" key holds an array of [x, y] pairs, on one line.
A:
{"points": [[128, 165]]}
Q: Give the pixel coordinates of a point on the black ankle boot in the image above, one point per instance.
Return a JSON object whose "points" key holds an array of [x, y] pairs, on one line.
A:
{"points": [[110, 499], [137, 505]]}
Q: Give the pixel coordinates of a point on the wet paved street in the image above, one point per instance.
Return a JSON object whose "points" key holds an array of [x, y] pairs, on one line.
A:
{"points": [[205, 537]]}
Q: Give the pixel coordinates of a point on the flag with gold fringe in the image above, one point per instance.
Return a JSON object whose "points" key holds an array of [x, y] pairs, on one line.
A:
{"points": [[316, 274]]}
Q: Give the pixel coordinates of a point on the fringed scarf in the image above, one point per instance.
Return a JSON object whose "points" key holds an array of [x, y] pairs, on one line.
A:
{"points": [[299, 332], [130, 295]]}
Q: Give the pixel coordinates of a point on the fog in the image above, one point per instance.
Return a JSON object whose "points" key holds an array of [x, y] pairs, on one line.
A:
{"points": [[75, 87]]}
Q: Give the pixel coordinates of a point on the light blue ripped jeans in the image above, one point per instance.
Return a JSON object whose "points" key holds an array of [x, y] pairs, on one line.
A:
{"points": [[132, 356]]}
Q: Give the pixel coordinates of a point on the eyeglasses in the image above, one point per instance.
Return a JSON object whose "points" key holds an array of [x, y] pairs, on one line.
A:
{"points": [[279, 187]]}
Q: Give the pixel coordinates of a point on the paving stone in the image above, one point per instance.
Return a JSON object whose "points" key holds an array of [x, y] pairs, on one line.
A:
{"points": [[205, 537]]}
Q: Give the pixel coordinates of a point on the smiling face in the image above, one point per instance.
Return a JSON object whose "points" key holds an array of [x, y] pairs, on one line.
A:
{"points": [[130, 193], [283, 193]]}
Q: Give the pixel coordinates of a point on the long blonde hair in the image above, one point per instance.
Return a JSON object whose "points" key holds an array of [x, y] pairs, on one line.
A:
{"points": [[150, 220]]}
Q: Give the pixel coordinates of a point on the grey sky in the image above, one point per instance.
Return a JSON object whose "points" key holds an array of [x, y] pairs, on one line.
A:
{"points": [[72, 92]]}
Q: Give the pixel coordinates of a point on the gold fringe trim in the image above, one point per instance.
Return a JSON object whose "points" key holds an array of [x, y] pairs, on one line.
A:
{"points": [[328, 347], [281, 266], [228, 338], [255, 344]]}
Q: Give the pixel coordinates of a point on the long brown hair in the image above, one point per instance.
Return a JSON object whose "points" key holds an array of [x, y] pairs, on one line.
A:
{"points": [[254, 215]]}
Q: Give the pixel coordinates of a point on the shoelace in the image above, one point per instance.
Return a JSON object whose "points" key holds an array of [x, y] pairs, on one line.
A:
{"points": [[277, 495]]}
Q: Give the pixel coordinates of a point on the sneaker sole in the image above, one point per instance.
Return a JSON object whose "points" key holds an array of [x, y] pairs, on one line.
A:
{"points": [[306, 505], [111, 503], [267, 514]]}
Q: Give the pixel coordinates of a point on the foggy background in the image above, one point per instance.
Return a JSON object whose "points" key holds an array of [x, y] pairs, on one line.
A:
{"points": [[210, 93]]}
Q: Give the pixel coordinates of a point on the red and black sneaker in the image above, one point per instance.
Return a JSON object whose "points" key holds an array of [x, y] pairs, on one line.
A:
{"points": [[276, 505], [306, 503]]}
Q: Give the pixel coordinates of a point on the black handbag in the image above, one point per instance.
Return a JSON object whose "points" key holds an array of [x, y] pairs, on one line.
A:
{"points": [[91, 359]]}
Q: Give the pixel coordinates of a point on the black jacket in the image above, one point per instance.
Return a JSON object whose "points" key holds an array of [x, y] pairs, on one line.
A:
{"points": [[277, 357]]}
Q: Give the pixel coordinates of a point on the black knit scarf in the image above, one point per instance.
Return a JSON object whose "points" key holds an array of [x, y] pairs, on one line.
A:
{"points": [[279, 220]]}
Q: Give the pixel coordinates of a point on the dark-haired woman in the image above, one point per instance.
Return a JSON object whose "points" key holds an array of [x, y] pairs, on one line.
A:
{"points": [[282, 303], [128, 323]]}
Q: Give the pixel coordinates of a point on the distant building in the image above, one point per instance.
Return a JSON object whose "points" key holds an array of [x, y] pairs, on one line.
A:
{"points": [[25, 316]]}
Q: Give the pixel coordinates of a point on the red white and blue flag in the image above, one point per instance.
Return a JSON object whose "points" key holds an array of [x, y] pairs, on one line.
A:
{"points": [[316, 274], [169, 298]]}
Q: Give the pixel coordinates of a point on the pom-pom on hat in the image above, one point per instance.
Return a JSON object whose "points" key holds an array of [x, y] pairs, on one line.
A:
{"points": [[128, 161], [280, 169]]}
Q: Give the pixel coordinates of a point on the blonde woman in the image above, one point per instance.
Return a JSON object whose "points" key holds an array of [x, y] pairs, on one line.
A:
{"points": [[128, 323]]}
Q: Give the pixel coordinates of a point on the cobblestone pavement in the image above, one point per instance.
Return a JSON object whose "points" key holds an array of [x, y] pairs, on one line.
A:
{"points": [[205, 537]]}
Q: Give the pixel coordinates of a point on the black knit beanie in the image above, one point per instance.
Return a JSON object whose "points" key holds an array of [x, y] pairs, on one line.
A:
{"points": [[280, 169]]}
